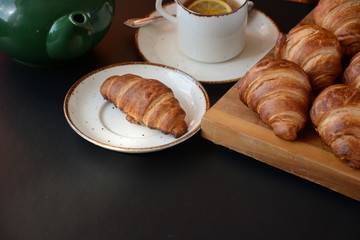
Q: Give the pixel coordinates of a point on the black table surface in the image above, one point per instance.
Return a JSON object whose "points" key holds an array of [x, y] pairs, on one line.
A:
{"points": [[56, 185]]}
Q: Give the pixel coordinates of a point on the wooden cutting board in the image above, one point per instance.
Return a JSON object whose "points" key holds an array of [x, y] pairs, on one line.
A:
{"points": [[232, 124]]}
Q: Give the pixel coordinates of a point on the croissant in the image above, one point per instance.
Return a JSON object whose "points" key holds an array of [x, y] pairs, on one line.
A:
{"points": [[352, 72], [341, 17], [279, 91], [335, 114], [146, 102], [316, 50]]}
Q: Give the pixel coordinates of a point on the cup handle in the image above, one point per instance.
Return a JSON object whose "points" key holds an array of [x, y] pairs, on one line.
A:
{"points": [[250, 5], [162, 12]]}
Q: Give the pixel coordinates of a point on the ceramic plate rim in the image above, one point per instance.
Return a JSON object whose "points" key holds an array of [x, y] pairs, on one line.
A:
{"points": [[103, 144], [199, 80]]}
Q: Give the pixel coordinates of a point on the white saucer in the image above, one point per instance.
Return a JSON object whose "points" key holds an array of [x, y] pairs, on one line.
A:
{"points": [[99, 122], [157, 43]]}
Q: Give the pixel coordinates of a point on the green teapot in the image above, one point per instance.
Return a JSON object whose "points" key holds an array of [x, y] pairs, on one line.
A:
{"points": [[52, 32]]}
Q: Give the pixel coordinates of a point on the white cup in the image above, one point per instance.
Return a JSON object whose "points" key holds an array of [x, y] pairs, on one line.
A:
{"points": [[209, 38]]}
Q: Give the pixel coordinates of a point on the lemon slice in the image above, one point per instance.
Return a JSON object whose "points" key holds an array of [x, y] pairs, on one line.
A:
{"points": [[210, 7]]}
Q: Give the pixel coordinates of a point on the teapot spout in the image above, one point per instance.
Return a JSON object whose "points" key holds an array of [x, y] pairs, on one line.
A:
{"points": [[70, 36]]}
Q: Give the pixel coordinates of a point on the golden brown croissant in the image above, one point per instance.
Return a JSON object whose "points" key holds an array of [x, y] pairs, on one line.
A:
{"points": [[279, 91], [316, 50], [352, 72], [335, 115], [341, 17], [147, 102]]}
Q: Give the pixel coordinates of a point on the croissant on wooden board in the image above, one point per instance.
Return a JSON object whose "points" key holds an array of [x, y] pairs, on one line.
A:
{"points": [[352, 72], [335, 114], [279, 91], [341, 17], [316, 50], [147, 102]]}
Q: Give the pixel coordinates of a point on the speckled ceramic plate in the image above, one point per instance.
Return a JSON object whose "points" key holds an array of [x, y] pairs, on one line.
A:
{"points": [[157, 43], [99, 122]]}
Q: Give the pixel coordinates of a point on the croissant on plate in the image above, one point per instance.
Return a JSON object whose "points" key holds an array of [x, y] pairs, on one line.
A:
{"points": [[279, 91], [341, 17], [148, 102], [315, 49], [335, 114], [352, 72]]}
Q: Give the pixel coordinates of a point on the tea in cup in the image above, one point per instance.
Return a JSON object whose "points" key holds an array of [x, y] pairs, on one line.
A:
{"points": [[209, 30], [212, 7]]}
